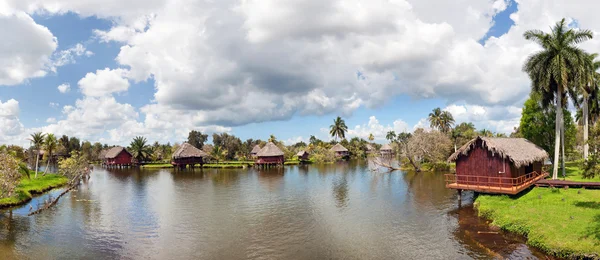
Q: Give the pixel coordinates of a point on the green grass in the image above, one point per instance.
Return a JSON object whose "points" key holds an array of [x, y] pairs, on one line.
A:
{"points": [[157, 165], [573, 172], [28, 187], [561, 222]]}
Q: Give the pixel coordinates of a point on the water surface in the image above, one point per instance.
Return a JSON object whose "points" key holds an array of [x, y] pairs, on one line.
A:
{"points": [[340, 211]]}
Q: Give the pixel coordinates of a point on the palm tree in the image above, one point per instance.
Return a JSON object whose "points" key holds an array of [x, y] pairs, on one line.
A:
{"points": [[371, 137], [589, 91], [551, 70], [38, 140], [338, 129], [63, 142], [50, 144], [486, 133], [218, 153], [391, 135], [441, 120], [139, 149]]}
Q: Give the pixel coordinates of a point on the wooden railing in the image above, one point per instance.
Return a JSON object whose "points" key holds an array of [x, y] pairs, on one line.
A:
{"points": [[483, 182]]}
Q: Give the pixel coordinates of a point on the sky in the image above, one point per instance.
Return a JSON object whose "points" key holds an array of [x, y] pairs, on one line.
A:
{"points": [[110, 70]]}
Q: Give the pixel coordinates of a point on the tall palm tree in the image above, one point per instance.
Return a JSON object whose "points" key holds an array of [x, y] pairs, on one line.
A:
{"points": [[391, 135], [486, 133], [338, 129], [50, 145], [38, 140], [371, 137], [441, 120], [589, 94], [551, 68], [218, 153], [140, 149]]}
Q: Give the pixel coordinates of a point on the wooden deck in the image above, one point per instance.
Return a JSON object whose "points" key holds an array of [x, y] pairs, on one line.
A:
{"points": [[573, 184], [499, 185]]}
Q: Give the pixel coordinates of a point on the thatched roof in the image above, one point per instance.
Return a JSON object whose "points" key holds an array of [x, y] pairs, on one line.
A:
{"points": [[186, 150], [114, 152], [339, 148], [256, 149], [270, 150], [370, 147], [302, 153], [519, 150], [102, 154], [386, 147]]}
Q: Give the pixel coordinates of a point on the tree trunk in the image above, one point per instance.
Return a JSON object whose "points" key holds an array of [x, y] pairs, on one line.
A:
{"points": [[557, 133], [562, 145], [37, 159], [586, 128], [47, 165]]}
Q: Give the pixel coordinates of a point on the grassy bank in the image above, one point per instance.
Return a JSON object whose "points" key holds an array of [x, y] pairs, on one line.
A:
{"points": [[29, 187], [573, 172], [562, 222]]}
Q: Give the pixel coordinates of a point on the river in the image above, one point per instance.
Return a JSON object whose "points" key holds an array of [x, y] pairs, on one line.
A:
{"points": [[339, 211]]}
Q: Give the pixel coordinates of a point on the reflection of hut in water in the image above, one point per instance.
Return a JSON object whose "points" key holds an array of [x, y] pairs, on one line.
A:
{"points": [[270, 155], [340, 151], [302, 155], [187, 154], [497, 165], [117, 157], [255, 151], [386, 150]]}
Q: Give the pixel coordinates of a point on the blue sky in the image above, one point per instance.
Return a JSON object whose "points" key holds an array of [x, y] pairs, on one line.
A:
{"points": [[272, 77]]}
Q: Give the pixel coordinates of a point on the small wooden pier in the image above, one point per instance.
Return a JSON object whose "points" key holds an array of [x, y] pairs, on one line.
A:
{"points": [[564, 183], [498, 185]]}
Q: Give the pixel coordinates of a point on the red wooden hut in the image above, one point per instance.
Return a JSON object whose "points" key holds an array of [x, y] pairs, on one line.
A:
{"points": [[270, 155], [340, 151], [187, 154], [255, 151], [497, 165], [117, 156], [302, 155]]}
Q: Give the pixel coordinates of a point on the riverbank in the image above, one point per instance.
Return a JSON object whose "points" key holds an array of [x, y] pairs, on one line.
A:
{"points": [[29, 187], [561, 222], [222, 165]]}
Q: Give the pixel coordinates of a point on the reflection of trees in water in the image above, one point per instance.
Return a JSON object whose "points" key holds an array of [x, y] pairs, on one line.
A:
{"points": [[225, 177], [188, 174], [13, 227], [303, 169], [428, 188], [340, 192]]}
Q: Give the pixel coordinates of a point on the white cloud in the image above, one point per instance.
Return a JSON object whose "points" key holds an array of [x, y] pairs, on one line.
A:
{"points": [[54, 105], [10, 125], [104, 82], [51, 120], [68, 56], [25, 49], [294, 140], [501, 119], [378, 130], [64, 88]]}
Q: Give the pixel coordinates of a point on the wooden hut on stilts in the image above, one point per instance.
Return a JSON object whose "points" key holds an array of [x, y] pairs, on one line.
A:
{"points": [[255, 151], [386, 150], [270, 155], [497, 165], [340, 151], [117, 157], [187, 154], [303, 156]]}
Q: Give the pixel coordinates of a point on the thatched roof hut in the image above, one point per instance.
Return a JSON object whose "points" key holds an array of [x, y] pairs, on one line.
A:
{"points": [[270, 150], [497, 165], [339, 148], [520, 151], [369, 148], [303, 155], [114, 152], [255, 150], [386, 147], [117, 156], [187, 154], [186, 150], [102, 154]]}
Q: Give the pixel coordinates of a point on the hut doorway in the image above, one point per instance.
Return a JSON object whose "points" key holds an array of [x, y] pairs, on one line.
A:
{"points": [[529, 168]]}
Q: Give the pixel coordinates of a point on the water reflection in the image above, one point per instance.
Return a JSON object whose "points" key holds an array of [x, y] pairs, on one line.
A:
{"points": [[336, 211]]}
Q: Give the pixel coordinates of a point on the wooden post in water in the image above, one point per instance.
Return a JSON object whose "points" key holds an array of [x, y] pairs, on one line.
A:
{"points": [[459, 198]]}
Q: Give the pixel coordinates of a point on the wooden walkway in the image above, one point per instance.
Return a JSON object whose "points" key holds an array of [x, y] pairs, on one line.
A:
{"points": [[561, 183]]}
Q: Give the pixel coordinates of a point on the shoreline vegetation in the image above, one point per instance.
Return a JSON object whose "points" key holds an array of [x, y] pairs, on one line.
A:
{"points": [[28, 188]]}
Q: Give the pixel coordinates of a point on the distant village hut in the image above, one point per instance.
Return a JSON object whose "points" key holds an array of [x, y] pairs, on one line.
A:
{"points": [[370, 149], [340, 151], [302, 155], [187, 154], [497, 165], [386, 150], [255, 151], [117, 157], [270, 155]]}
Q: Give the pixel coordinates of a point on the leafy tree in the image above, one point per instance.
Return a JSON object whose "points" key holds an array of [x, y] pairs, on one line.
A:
{"points": [[589, 97], [338, 129], [74, 144], [38, 141], [441, 120], [197, 139], [74, 168], [391, 136], [486, 133], [63, 144], [218, 153], [537, 123], [50, 145], [9, 174], [140, 149], [96, 150], [551, 71], [371, 137], [86, 150], [462, 133], [227, 142]]}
